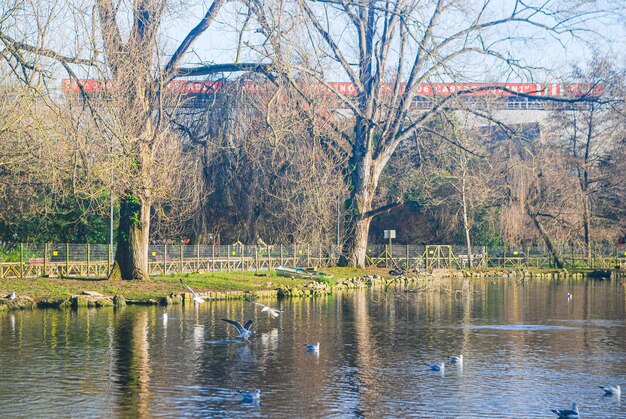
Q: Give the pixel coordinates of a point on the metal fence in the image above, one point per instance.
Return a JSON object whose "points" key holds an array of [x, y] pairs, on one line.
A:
{"points": [[95, 260]]}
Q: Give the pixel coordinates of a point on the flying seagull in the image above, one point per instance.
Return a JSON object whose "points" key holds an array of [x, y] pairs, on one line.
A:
{"points": [[567, 413], [244, 331], [437, 367], [456, 359], [11, 296], [196, 297], [274, 312], [612, 391], [312, 347], [250, 396]]}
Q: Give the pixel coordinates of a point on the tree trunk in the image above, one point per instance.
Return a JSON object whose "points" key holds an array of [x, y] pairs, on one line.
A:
{"points": [[131, 256], [466, 222], [546, 238]]}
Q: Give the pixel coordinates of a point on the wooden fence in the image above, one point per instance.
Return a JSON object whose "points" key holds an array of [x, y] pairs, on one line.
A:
{"points": [[92, 260]]}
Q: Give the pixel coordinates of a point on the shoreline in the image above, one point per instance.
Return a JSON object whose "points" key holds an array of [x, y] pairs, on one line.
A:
{"points": [[89, 292]]}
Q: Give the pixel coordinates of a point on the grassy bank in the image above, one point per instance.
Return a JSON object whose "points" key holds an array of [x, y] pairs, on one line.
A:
{"points": [[160, 286]]}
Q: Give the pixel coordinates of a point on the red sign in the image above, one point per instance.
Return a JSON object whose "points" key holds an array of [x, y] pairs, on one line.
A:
{"points": [[349, 89]]}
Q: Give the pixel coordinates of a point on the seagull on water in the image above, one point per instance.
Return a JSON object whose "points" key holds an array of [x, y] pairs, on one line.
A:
{"points": [[244, 331], [11, 296], [567, 413], [250, 396], [312, 347], [274, 312], [569, 296], [196, 297], [456, 359], [612, 391], [437, 367]]}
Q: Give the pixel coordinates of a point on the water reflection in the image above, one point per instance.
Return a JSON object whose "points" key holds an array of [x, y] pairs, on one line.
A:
{"points": [[528, 342], [132, 363]]}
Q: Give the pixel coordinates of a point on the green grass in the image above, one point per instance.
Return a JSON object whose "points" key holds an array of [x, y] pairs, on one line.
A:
{"points": [[160, 286]]}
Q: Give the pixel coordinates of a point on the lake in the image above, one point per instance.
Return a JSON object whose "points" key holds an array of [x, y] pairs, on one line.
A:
{"points": [[527, 349]]}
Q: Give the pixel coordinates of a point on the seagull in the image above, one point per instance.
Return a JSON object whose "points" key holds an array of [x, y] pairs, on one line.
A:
{"points": [[312, 347], [569, 296], [437, 367], [244, 331], [11, 296], [196, 298], [250, 396], [612, 391], [456, 359], [567, 413], [274, 312]]}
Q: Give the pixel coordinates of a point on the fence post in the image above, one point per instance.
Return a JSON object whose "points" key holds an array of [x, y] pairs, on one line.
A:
{"points": [[165, 259], [67, 259], [407, 257], [228, 258], [21, 260], [198, 257], [45, 257], [212, 257], [269, 258], [241, 257], [281, 255], [295, 255], [386, 256], [88, 258]]}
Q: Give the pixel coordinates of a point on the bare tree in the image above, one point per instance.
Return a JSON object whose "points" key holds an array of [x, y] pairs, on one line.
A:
{"points": [[118, 41], [387, 51]]}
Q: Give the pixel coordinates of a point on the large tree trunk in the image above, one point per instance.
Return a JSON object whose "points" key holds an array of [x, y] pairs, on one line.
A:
{"points": [[131, 256]]}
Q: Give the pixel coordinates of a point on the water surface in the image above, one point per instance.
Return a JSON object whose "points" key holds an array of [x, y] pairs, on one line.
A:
{"points": [[527, 350]]}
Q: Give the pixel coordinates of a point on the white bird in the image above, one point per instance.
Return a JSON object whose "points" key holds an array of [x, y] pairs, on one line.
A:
{"points": [[274, 312], [196, 297], [612, 391], [11, 296], [456, 359], [312, 347], [569, 296], [437, 367], [567, 413], [250, 396], [244, 331]]}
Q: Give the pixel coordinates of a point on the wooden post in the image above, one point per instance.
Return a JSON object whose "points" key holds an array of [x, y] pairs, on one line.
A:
{"points": [[269, 258], [256, 259], [88, 258], [281, 255], [109, 259], [45, 258], [308, 255], [21, 260], [67, 259], [228, 258], [386, 257], [198, 257], [213, 257], [295, 255], [241, 257], [181, 259], [165, 258], [408, 265]]}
